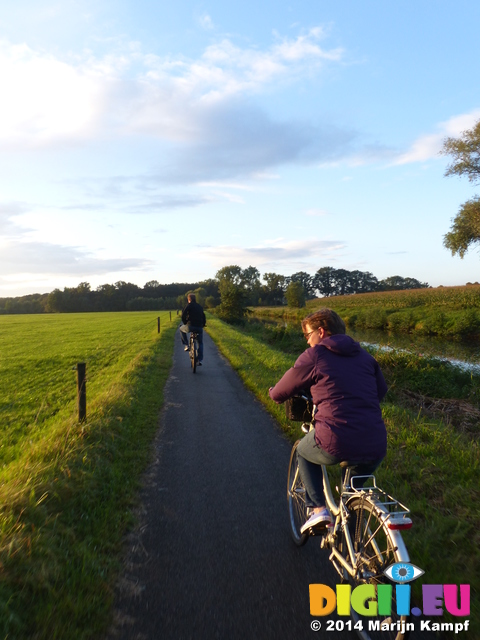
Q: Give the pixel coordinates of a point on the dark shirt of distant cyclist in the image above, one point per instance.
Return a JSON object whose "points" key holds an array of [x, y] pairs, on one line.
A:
{"points": [[193, 314], [346, 384]]}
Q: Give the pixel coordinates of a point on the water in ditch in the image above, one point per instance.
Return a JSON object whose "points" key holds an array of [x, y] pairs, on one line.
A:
{"points": [[463, 353]]}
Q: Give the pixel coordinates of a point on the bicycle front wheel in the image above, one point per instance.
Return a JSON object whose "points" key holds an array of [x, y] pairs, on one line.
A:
{"points": [[376, 547], [297, 509]]}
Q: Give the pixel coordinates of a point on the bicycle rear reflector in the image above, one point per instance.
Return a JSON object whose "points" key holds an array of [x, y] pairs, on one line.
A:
{"points": [[397, 525]]}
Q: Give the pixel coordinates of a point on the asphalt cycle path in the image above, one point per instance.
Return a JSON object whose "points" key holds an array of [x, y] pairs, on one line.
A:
{"points": [[212, 555]]}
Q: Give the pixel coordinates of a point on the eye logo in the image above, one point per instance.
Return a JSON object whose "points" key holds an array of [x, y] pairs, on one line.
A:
{"points": [[403, 572]]}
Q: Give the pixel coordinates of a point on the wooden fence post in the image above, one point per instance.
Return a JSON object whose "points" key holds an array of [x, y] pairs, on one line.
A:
{"points": [[170, 316], [81, 391], [158, 324]]}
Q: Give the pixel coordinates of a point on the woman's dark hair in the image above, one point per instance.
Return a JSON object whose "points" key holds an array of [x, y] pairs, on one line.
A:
{"points": [[330, 322]]}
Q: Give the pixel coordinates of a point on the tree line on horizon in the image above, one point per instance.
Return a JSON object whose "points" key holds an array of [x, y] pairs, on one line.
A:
{"points": [[153, 296], [240, 288]]}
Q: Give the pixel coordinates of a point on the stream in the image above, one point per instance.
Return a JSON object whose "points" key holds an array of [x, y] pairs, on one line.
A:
{"points": [[462, 353]]}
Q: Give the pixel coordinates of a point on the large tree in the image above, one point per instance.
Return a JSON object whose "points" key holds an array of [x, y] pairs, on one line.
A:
{"points": [[251, 284], [274, 290], [465, 152], [465, 229], [295, 294], [232, 293], [323, 281], [306, 280], [363, 281]]}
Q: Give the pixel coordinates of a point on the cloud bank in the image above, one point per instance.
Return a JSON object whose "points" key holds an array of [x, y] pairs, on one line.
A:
{"points": [[274, 253], [17, 258], [201, 112], [20, 256]]}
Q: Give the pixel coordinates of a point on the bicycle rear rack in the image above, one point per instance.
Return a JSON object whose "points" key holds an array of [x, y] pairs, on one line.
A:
{"points": [[395, 513]]}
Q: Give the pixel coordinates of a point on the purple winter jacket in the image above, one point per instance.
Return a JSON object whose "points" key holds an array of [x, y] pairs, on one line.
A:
{"points": [[346, 384]]}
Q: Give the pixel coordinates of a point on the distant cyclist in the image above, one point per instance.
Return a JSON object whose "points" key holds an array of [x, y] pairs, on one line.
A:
{"points": [[193, 319], [346, 385]]}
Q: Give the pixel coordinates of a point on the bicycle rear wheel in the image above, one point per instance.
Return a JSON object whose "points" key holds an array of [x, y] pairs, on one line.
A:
{"points": [[377, 547], [193, 353], [297, 509]]}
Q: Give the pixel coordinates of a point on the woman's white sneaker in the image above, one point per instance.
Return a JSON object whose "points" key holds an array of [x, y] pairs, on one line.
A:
{"points": [[317, 520]]}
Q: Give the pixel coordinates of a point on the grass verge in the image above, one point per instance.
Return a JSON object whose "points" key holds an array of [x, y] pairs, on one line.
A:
{"points": [[430, 465], [67, 496]]}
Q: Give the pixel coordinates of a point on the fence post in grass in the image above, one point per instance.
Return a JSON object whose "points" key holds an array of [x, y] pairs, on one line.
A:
{"points": [[170, 316], [81, 392], [158, 324]]}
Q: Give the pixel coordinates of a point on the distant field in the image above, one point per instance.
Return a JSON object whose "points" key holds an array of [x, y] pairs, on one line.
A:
{"points": [[444, 311], [466, 297], [65, 487]]}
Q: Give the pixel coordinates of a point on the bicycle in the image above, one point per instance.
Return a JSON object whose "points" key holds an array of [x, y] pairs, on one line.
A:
{"points": [[365, 536], [193, 350]]}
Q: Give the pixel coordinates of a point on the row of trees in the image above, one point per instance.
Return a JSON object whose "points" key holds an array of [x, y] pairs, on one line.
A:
{"points": [[326, 282], [232, 287], [239, 288], [121, 296]]}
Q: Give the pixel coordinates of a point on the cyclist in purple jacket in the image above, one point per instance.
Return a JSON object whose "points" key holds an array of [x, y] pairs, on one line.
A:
{"points": [[346, 385]]}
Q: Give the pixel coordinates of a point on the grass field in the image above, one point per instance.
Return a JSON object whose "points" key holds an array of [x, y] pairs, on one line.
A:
{"points": [[432, 465], [66, 488], [444, 311]]}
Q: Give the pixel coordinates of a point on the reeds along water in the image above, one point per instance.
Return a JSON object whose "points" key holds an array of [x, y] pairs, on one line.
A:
{"points": [[462, 352]]}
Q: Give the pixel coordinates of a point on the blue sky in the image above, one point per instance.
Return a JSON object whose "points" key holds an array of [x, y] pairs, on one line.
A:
{"points": [[152, 140]]}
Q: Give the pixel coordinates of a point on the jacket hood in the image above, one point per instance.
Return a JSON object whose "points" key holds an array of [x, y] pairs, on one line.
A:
{"points": [[341, 344]]}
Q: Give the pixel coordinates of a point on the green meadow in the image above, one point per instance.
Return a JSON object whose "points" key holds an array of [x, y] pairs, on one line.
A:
{"points": [[67, 488], [432, 413]]}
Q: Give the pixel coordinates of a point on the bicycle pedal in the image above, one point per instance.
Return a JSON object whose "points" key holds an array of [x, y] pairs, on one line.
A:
{"points": [[319, 529]]}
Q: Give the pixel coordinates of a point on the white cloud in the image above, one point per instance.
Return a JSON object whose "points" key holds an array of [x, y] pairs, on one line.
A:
{"points": [[49, 101], [168, 203], [206, 22], [20, 259], [306, 47], [7, 212], [273, 252], [428, 146], [44, 99], [229, 197], [225, 69], [228, 185]]}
